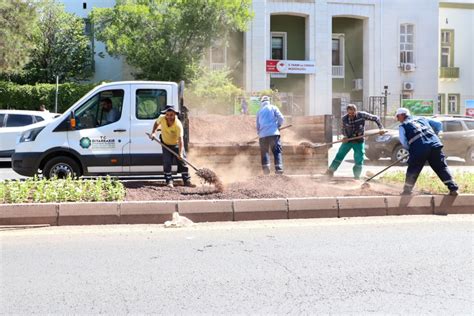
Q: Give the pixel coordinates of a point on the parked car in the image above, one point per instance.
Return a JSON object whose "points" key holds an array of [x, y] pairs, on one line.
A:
{"points": [[13, 123], [457, 137]]}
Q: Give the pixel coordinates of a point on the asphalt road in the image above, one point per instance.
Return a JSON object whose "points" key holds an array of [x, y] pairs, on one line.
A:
{"points": [[398, 265]]}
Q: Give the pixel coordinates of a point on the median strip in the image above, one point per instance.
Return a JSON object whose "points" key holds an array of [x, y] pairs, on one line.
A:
{"points": [[157, 212]]}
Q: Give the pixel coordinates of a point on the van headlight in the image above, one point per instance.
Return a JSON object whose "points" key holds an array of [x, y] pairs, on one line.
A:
{"points": [[383, 138], [30, 135]]}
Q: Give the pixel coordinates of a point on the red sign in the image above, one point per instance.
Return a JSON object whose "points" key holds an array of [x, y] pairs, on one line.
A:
{"points": [[291, 66]]}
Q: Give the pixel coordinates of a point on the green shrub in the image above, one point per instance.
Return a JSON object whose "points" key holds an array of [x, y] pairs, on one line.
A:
{"points": [[61, 190], [29, 97]]}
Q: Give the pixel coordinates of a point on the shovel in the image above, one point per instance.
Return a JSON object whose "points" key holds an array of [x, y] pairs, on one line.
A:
{"points": [[256, 138], [366, 184], [206, 174], [317, 145]]}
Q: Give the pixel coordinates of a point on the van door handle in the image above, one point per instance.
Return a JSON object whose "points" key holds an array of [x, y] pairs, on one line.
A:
{"points": [[120, 130]]}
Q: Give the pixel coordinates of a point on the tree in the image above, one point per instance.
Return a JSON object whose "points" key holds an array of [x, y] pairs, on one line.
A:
{"points": [[16, 18], [166, 39], [61, 47]]}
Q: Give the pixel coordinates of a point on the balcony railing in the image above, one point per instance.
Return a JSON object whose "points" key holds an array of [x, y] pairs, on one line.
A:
{"points": [[338, 71], [217, 66], [449, 72]]}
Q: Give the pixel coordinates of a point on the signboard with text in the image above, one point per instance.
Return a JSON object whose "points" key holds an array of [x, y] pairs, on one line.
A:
{"points": [[419, 107], [469, 107], [291, 66]]}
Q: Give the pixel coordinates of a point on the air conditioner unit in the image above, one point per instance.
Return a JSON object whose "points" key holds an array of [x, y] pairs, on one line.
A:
{"points": [[408, 67], [357, 84], [408, 86]]}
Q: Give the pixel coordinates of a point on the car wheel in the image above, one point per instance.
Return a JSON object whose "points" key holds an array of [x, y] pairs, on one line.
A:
{"points": [[61, 167], [470, 156], [398, 153], [372, 156]]}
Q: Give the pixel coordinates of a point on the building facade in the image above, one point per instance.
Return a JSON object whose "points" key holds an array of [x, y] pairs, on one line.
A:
{"points": [[357, 46], [456, 55], [106, 67], [345, 51]]}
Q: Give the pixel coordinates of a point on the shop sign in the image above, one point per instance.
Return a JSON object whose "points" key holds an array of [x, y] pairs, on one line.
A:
{"points": [[291, 66]]}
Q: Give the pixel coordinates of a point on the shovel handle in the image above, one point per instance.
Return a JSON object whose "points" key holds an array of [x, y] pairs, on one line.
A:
{"points": [[386, 168], [171, 151], [345, 140], [281, 128]]}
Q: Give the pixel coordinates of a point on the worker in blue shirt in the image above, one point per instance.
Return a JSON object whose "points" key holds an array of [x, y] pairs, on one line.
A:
{"points": [[419, 136], [269, 121]]}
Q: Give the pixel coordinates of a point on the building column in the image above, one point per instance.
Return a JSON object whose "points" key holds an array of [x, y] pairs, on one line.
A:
{"points": [[257, 48], [310, 54], [322, 86]]}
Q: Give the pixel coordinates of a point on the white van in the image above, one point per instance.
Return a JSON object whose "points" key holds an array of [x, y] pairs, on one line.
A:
{"points": [[102, 133]]}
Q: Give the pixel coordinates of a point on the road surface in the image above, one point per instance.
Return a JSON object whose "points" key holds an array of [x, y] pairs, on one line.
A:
{"points": [[398, 265]]}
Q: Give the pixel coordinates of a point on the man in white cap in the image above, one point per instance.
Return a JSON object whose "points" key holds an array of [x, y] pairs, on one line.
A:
{"points": [[269, 121], [419, 137]]}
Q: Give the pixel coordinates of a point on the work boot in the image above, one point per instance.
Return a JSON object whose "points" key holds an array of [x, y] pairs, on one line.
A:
{"points": [[329, 173], [189, 184], [169, 184], [453, 193], [279, 172]]}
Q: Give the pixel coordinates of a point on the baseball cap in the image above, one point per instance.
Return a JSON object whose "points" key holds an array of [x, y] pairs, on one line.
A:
{"points": [[403, 111], [264, 98], [169, 108]]}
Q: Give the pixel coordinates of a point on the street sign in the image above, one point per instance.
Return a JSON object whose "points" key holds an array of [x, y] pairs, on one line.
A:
{"points": [[291, 66]]}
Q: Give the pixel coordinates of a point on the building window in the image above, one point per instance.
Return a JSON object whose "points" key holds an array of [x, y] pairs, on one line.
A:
{"points": [[407, 39], [84, 5], [447, 37], [278, 46], [452, 104], [406, 95], [440, 103], [338, 55], [218, 55], [87, 27]]}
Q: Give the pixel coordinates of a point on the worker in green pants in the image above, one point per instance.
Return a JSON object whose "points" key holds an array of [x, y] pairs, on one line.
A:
{"points": [[353, 125]]}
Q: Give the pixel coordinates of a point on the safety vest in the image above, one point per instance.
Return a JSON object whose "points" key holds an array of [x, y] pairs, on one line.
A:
{"points": [[419, 132]]}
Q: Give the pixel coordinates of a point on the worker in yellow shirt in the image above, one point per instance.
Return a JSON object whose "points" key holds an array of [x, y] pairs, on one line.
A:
{"points": [[172, 136]]}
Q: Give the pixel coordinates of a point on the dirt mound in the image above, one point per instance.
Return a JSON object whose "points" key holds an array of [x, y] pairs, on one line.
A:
{"points": [[258, 188], [229, 129]]}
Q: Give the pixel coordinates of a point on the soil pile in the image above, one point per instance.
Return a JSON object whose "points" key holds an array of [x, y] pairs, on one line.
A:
{"points": [[229, 129], [258, 188]]}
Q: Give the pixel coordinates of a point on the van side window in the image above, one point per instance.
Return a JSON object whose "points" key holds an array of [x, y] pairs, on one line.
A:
{"points": [[102, 109], [39, 119], [2, 117], [149, 103]]}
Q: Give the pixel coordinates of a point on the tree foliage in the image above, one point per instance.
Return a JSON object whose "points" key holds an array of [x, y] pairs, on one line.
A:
{"points": [[212, 91], [61, 47], [16, 18], [166, 39]]}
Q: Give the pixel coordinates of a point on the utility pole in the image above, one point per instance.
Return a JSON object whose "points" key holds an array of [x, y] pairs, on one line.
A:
{"points": [[57, 92], [385, 102]]}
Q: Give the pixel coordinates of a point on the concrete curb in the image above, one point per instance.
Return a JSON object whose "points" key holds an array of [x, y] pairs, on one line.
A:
{"points": [[157, 212]]}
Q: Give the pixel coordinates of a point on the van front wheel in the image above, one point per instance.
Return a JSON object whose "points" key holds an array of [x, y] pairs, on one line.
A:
{"points": [[61, 167]]}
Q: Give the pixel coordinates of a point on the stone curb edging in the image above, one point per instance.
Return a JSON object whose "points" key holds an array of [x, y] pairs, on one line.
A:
{"points": [[157, 212]]}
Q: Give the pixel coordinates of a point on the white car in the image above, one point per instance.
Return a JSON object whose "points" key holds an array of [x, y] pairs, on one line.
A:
{"points": [[13, 123]]}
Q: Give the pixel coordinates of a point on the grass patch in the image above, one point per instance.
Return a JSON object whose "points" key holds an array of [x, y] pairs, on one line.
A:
{"points": [[61, 190], [429, 181]]}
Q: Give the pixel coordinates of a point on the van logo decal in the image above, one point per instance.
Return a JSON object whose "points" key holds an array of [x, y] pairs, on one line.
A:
{"points": [[85, 142]]}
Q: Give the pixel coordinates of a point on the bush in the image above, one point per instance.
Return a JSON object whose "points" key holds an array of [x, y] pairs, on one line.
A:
{"points": [[67, 190], [29, 97]]}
